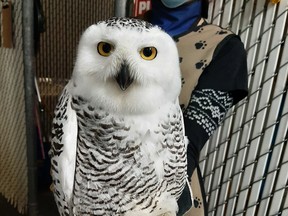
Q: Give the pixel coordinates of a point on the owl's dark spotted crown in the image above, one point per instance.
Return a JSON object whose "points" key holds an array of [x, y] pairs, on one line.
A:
{"points": [[124, 22]]}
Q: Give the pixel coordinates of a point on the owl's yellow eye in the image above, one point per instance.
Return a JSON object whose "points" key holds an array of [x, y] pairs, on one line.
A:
{"points": [[105, 49], [148, 53]]}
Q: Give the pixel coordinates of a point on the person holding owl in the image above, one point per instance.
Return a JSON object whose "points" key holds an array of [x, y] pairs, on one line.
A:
{"points": [[214, 78]]}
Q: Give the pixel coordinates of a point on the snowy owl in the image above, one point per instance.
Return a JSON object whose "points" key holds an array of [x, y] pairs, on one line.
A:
{"points": [[118, 143]]}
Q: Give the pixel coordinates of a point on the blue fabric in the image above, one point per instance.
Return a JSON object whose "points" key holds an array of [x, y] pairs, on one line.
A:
{"points": [[175, 21], [173, 3]]}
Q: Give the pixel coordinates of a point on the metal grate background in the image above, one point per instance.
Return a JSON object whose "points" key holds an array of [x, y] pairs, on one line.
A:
{"points": [[65, 22], [245, 163], [13, 161]]}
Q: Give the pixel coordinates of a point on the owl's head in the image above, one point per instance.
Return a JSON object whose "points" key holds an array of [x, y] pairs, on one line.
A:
{"points": [[127, 65]]}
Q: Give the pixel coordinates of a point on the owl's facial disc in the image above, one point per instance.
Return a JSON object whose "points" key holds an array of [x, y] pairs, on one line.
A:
{"points": [[123, 77]]}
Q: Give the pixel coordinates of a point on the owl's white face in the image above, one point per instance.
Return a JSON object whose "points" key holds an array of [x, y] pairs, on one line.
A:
{"points": [[127, 69]]}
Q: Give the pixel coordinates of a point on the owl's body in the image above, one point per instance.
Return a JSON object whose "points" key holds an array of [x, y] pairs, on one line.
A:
{"points": [[118, 145]]}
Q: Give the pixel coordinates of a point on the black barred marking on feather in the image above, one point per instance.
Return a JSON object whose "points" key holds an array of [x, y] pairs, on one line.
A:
{"points": [[150, 201], [119, 138], [57, 148], [58, 130], [153, 207], [57, 193], [54, 168], [54, 163]]}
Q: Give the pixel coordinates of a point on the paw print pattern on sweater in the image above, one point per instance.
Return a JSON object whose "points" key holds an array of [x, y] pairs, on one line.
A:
{"points": [[200, 45], [201, 64], [197, 202], [221, 32]]}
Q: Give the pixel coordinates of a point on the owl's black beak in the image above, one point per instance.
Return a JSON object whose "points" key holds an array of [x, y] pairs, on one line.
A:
{"points": [[123, 78]]}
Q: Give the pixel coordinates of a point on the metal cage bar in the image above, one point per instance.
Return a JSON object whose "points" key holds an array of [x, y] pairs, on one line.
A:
{"points": [[29, 74]]}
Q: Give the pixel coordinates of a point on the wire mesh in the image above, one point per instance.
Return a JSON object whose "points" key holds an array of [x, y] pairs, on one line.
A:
{"points": [[13, 161], [245, 163], [65, 21]]}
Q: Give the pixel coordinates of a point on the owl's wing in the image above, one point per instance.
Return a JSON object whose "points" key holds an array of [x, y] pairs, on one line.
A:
{"points": [[63, 152], [186, 200]]}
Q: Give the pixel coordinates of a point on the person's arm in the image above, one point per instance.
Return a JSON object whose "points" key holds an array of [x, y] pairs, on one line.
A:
{"points": [[203, 115], [222, 84]]}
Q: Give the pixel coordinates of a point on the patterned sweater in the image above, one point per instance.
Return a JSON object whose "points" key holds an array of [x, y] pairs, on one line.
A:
{"points": [[214, 78]]}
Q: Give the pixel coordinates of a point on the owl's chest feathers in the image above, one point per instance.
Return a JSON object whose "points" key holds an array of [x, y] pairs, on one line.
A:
{"points": [[124, 158], [113, 134], [110, 139], [113, 131]]}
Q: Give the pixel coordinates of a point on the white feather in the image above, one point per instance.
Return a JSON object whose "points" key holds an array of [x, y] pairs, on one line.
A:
{"points": [[67, 158]]}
